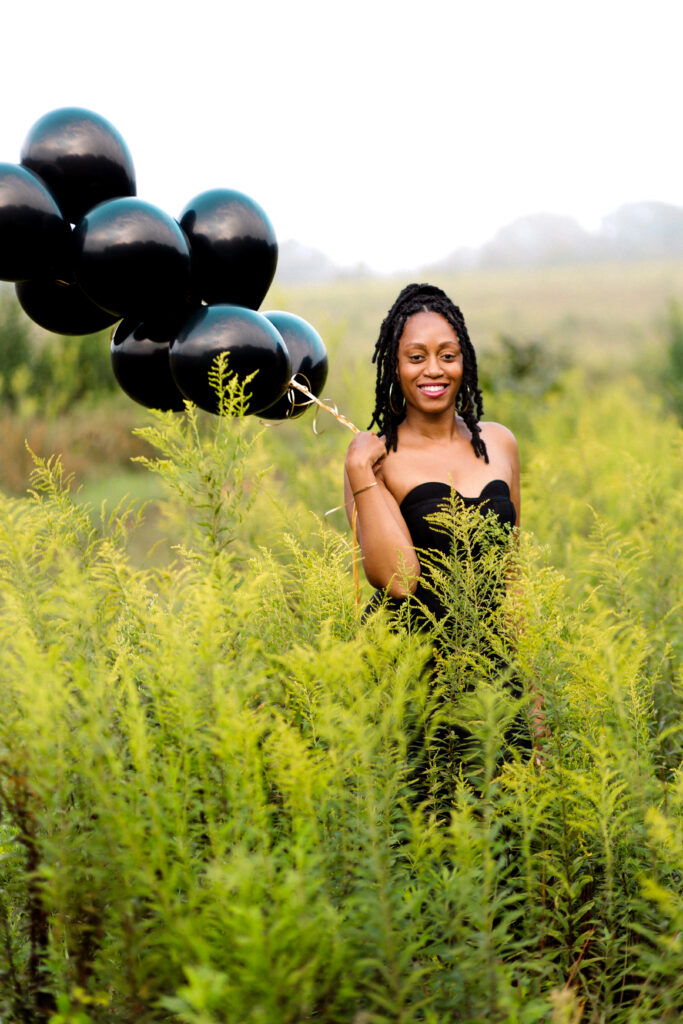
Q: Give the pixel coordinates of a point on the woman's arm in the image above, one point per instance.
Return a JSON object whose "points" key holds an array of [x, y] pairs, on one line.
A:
{"points": [[389, 558]]}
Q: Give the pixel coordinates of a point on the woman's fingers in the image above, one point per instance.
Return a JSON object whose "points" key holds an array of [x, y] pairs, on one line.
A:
{"points": [[365, 449]]}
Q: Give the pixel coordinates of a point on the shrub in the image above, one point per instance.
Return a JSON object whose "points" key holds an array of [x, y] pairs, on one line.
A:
{"points": [[48, 373]]}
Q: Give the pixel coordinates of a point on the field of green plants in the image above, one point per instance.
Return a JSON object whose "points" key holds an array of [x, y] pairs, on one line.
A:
{"points": [[225, 800]]}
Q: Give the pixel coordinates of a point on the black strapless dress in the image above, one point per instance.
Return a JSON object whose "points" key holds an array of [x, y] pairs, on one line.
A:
{"points": [[421, 502], [430, 497]]}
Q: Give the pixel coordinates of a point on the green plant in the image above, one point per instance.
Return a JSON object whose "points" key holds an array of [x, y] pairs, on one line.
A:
{"points": [[207, 769], [672, 375]]}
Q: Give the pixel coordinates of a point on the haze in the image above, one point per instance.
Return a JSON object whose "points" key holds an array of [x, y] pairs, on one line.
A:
{"points": [[377, 132]]}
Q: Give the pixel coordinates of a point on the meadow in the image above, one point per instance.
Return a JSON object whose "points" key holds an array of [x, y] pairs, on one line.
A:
{"points": [[224, 799]]}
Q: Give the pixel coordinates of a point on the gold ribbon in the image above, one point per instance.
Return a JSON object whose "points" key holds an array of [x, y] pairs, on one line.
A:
{"points": [[294, 383]]}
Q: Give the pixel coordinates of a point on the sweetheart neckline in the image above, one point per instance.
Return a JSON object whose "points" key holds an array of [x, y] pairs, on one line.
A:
{"points": [[464, 497]]}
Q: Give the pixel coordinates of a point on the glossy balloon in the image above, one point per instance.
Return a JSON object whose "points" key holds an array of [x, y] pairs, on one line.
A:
{"points": [[62, 308], [81, 157], [234, 249], [142, 368], [133, 260], [35, 239], [309, 363], [165, 326], [252, 344]]}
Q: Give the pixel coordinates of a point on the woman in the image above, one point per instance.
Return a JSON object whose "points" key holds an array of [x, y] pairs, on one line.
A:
{"points": [[431, 440]]}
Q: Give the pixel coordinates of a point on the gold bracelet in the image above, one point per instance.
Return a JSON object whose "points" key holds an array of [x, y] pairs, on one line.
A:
{"points": [[366, 488]]}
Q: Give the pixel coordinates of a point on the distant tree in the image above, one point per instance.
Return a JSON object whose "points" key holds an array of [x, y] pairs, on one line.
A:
{"points": [[649, 230], [540, 238]]}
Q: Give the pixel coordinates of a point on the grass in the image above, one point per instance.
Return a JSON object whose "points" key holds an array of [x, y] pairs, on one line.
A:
{"points": [[594, 310]]}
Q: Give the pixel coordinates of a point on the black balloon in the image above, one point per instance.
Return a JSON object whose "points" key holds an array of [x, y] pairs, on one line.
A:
{"points": [[234, 249], [142, 368], [35, 239], [309, 363], [82, 159], [252, 344], [133, 260], [62, 308]]}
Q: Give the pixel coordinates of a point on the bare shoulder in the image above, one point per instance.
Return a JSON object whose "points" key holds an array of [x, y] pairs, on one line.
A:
{"points": [[502, 448], [397, 472], [390, 468], [501, 436]]}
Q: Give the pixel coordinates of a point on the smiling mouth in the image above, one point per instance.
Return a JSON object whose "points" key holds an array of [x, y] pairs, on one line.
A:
{"points": [[433, 389]]}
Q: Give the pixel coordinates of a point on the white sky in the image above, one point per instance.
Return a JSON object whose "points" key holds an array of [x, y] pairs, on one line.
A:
{"points": [[378, 131]]}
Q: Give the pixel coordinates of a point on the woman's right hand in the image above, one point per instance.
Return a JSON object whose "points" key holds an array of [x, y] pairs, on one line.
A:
{"points": [[366, 452], [389, 557]]}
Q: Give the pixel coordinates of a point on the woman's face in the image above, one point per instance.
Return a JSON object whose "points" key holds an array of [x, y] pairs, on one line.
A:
{"points": [[429, 362]]}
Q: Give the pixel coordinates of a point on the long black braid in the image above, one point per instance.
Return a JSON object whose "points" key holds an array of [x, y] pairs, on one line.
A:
{"points": [[389, 403]]}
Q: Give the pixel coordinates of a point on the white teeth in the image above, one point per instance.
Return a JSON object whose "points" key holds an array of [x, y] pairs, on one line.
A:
{"points": [[432, 387]]}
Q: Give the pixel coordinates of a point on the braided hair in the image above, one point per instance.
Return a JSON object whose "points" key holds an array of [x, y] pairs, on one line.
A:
{"points": [[423, 298]]}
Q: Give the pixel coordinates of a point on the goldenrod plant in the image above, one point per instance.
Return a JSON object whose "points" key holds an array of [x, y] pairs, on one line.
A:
{"points": [[225, 799]]}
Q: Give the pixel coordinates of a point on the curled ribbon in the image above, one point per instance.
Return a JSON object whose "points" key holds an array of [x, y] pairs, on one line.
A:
{"points": [[294, 383]]}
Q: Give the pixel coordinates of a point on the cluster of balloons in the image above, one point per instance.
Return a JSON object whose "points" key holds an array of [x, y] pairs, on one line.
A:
{"points": [[84, 253]]}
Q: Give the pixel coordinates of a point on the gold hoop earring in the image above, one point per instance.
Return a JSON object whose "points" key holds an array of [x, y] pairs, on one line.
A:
{"points": [[396, 412]]}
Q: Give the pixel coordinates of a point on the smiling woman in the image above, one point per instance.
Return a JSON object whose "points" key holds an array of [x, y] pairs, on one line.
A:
{"points": [[436, 495], [428, 408]]}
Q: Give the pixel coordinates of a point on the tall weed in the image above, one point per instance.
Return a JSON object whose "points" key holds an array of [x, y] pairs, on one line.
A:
{"points": [[226, 799]]}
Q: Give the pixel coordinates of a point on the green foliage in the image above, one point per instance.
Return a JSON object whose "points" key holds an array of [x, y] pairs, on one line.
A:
{"points": [[523, 367], [223, 799], [15, 352], [70, 370], [48, 373], [672, 375]]}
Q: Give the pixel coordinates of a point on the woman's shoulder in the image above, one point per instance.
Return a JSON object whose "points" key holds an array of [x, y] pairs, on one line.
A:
{"points": [[396, 470], [498, 434]]}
